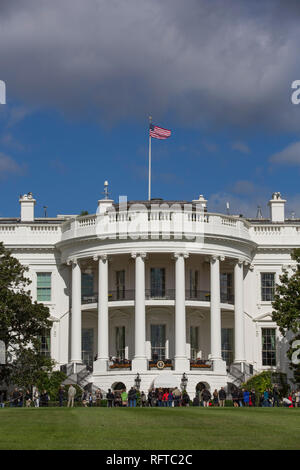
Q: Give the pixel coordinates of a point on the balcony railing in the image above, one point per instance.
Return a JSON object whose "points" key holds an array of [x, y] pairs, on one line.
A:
{"points": [[167, 294]]}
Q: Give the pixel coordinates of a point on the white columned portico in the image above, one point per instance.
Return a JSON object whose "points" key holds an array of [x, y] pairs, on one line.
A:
{"points": [[239, 335], [215, 315], [139, 362], [181, 361], [76, 354], [101, 363]]}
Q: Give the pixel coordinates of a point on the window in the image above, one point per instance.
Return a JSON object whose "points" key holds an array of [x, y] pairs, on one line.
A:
{"points": [[87, 285], [43, 287], [158, 283], [268, 336], [120, 342], [267, 287], [227, 345], [158, 342], [226, 287], [87, 344], [120, 284], [194, 334], [194, 276], [45, 348]]}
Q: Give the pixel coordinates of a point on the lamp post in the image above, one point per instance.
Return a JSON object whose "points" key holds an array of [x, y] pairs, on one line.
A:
{"points": [[137, 381], [184, 381]]}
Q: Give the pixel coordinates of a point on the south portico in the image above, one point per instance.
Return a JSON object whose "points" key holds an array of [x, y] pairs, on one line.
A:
{"points": [[140, 356]]}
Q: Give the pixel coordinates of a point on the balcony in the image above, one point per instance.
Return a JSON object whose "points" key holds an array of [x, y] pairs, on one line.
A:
{"points": [[164, 294]]}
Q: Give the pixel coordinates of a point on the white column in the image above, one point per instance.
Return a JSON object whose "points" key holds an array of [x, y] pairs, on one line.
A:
{"points": [[215, 315], [139, 363], [239, 335], [76, 355], [181, 360], [103, 323]]}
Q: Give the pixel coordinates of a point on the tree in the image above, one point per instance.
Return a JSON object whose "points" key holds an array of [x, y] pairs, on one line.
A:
{"points": [[286, 307], [22, 322], [286, 302], [84, 213]]}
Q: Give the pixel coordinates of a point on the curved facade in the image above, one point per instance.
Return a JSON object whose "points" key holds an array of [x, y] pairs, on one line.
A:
{"points": [[159, 289]]}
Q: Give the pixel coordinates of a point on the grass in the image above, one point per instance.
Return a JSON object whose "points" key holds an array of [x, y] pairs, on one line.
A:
{"points": [[149, 428]]}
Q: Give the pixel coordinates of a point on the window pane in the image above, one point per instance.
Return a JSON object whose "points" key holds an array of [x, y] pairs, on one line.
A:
{"points": [[158, 282], [268, 346], [45, 348], [194, 341], [87, 344], [267, 287], [120, 284], [120, 342], [158, 342], [44, 287], [87, 284], [227, 345]]}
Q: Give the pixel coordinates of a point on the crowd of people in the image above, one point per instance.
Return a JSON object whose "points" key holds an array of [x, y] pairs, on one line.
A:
{"points": [[159, 397]]}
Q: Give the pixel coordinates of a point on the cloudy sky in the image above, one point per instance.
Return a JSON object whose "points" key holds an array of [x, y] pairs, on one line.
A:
{"points": [[82, 77]]}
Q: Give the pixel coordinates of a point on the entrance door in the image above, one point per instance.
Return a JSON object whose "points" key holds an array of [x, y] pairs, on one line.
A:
{"points": [[158, 342], [87, 344]]}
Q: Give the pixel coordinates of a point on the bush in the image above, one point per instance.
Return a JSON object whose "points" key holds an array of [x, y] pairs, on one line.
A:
{"points": [[262, 381]]}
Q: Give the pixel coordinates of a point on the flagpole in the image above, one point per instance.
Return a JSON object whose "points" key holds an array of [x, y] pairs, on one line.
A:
{"points": [[149, 169]]}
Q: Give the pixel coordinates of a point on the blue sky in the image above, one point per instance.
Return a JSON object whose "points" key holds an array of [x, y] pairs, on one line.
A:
{"points": [[78, 104]]}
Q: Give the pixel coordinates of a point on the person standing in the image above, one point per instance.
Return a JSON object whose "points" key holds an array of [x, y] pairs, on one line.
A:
{"points": [[241, 397], [132, 398], [275, 396], [222, 397], [61, 392], [235, 397], [215, 397], [71, 396], [110, 398], [253, 397], [246, 398], [143, 400], [124, 397], [98, 397], [170, 399], [36, 398], [177, 396], [206, 395], [165, 399], [15, 397], [298, 398], [28, 399]]}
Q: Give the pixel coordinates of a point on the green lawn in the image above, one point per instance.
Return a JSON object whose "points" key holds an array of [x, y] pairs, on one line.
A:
{"points": [[125, 428]]}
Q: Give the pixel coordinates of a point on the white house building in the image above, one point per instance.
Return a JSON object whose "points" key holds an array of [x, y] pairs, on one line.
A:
{"points": [[161, 292]]}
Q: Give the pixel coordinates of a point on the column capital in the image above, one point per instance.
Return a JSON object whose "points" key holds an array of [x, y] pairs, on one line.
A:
{"points": [[71, 261], [142, 255], [178, 254], [214, 258], [102, 256], [240, 261]]}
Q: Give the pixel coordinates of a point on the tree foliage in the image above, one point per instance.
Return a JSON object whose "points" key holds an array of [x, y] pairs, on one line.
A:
{"points": [[286, 304], [22, 321], [265, 380]]}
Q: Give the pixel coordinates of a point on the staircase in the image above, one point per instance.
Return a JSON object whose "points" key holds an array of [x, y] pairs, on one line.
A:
{"points": [[240, 373], [78, 374]]}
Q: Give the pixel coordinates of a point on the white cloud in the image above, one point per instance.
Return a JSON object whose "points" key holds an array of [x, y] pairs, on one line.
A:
{"points": [[240, 147], [8, 166], [288, 156]]}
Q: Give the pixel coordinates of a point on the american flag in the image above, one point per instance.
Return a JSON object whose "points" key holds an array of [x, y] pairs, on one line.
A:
{"points": [[159, 132]]}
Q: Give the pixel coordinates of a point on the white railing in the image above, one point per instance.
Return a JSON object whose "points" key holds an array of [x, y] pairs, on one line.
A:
{"points": [[155, 223], [29, 234]]}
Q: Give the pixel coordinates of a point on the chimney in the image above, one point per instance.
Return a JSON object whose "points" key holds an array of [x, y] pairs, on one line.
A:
{"points": [[201, 203], [27, 207], [277, 208]]}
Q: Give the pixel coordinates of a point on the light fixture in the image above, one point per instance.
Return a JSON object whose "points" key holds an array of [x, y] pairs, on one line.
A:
{"points": [[137, 381], [184, 381]]}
